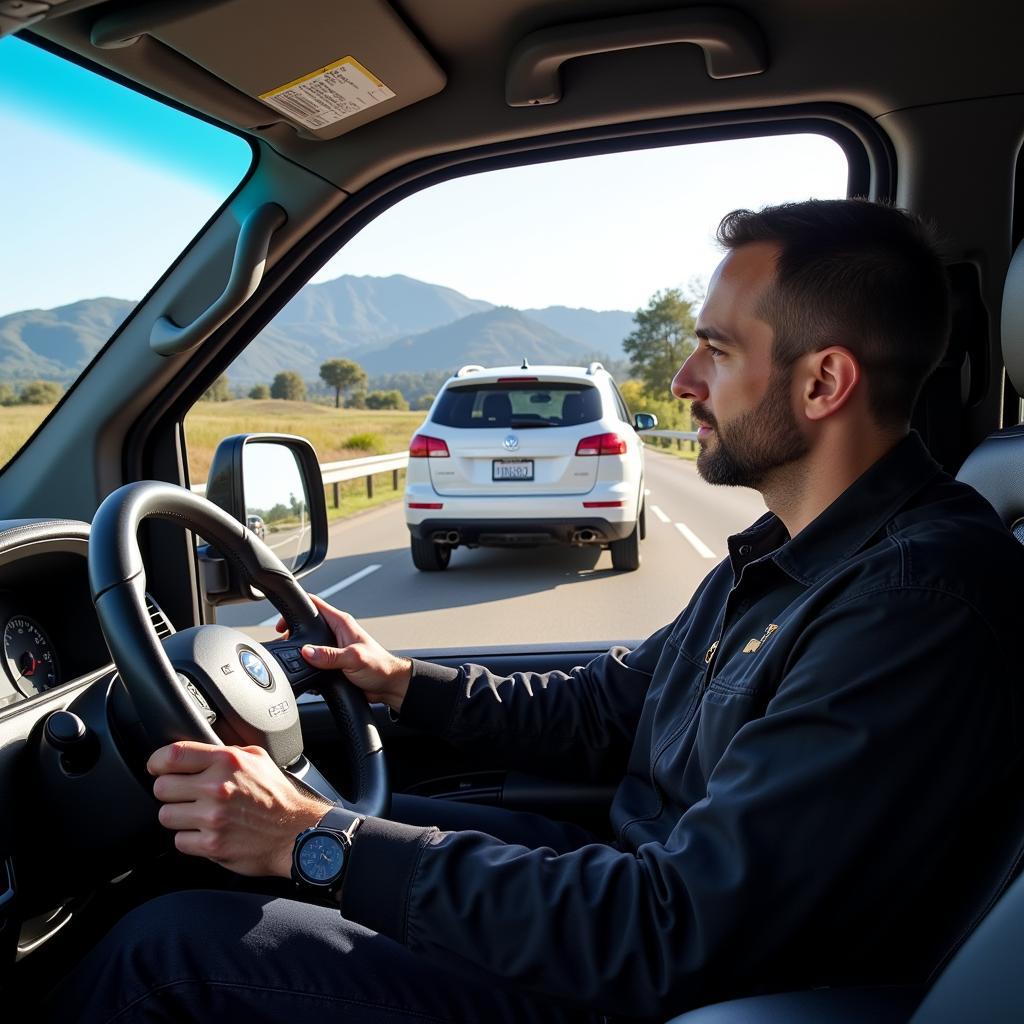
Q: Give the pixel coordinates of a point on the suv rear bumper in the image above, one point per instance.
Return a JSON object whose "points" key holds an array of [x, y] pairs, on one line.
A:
{"points": [[520, 532]]}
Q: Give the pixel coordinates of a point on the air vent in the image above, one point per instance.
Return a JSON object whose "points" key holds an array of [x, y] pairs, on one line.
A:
{"points": [[161, 623]]}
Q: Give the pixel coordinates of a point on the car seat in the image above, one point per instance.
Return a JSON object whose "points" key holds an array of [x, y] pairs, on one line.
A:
{"points": [[572, 408], [982, 979], [497, 409]]}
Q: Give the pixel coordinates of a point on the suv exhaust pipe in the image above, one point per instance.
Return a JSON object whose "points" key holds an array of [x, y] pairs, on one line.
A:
{"points": [[583, 536], [447, 537]]}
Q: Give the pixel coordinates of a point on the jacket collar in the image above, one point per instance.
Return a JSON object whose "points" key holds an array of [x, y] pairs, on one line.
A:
{"points": [[843, 528]]}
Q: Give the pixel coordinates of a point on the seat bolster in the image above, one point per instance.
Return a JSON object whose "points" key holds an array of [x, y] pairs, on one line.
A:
{"points": [[884, 1004], [996, 469]]}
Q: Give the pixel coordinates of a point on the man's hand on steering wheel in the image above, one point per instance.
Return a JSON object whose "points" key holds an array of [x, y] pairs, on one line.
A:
{"points": [[381, 675], [232, 805]]}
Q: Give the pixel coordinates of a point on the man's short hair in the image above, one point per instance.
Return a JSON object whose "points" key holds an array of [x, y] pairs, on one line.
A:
{"points": [[857, 274]]}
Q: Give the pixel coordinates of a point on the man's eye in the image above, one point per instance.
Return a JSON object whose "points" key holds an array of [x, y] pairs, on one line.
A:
{"points": [[715, 351]]}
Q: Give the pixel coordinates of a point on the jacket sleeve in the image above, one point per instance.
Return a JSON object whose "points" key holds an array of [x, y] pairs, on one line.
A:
{"points": [[581, 720], [856, 754]]}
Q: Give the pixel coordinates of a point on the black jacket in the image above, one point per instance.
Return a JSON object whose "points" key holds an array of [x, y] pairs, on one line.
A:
{"points": [[799, 751]]}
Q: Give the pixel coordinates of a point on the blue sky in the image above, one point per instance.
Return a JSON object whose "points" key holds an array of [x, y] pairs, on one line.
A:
{"points": [[111, 185]]}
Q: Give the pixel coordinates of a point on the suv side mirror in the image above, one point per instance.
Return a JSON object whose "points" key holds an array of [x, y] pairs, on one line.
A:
{"points": [[270, 483], [645, 421]]}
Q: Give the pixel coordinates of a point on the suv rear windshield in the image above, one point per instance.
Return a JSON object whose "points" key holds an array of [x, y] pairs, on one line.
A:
{"points": [[526, 404]]}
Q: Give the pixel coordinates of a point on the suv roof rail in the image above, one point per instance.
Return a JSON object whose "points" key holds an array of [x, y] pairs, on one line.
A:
{"points": [[594, 367], [469, 368]]}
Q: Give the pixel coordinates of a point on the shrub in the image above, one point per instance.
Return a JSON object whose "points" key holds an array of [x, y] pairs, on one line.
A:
{"points": [[386, 400], [40, 392], [367, 442]]}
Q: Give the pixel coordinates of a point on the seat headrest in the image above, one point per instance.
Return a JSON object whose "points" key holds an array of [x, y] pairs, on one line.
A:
{"points": [[1012, 326], [497, 407]]}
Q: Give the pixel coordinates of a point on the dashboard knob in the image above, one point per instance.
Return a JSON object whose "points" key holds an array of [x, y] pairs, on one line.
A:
{"points": [[66, 732]]}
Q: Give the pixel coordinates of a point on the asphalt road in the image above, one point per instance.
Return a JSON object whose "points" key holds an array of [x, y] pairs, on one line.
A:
{"points": [[546, 595]]}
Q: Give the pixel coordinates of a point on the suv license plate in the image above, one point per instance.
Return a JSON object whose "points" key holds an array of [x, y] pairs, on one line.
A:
{"points": [[512, 469]]}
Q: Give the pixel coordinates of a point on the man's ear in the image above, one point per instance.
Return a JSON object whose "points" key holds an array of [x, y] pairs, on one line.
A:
{"points": [[830, 380]]}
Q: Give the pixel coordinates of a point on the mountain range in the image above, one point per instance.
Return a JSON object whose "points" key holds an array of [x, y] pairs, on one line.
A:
{"points": [[386, 324]]}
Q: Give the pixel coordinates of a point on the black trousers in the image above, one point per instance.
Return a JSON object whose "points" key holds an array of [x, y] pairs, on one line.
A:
{"points": [[224, 956]]}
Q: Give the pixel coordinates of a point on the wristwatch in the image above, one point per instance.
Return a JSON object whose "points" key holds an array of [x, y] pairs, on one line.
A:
{"points": [[320, 855]]}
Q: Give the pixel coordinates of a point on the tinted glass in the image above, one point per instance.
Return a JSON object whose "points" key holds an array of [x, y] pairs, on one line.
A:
{"points": [[518, 405]]}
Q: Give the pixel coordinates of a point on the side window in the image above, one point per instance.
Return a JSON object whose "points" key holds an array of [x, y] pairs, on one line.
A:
{"points": [[483, 540], [621, 406]]}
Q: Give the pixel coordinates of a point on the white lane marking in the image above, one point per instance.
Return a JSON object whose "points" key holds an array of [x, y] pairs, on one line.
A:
{"points": [[701, 548], [333, 589], [661, 515]]}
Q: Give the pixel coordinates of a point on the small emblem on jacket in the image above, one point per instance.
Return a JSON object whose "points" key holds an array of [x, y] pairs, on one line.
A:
{"points": [[753, 645]]}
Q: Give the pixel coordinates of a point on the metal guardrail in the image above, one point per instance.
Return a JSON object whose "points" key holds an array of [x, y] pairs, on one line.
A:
{"points": [[336, 473], [352, 469], [679, 435]]}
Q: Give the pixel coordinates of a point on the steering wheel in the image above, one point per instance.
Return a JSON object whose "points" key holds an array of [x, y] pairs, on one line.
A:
{"points": [[213, 683]]}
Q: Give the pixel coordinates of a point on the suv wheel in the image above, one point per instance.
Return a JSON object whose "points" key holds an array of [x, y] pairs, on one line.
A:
{"points": [[626, 552], [428, 556]]}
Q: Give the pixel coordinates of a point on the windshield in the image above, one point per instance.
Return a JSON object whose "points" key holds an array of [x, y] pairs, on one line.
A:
{"points": [[103, 187]]}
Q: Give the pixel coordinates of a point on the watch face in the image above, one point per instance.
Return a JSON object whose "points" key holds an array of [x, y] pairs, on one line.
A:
{"points": [[321, 858]]}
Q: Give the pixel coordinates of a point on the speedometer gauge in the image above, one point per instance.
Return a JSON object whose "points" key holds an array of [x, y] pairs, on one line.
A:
{"points": [[29, 656]]}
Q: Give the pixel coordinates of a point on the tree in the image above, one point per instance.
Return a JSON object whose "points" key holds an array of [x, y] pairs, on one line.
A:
{"points": [[357, 400], [7, 395], [288, 385], [662, 339], [40, 392], [424, 401], [260, 391], [386, 400], [218, 391], [342, 375]]}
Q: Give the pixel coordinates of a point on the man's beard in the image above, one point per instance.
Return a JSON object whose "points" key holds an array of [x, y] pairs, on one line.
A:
{"points": [[751, 446]]}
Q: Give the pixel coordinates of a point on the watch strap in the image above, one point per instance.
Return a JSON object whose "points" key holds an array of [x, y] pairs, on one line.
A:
{"points": [[341, 819]]}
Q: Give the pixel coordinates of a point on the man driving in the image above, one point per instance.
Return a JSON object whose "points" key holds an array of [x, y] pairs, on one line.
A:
{"points": [[798, 753]]}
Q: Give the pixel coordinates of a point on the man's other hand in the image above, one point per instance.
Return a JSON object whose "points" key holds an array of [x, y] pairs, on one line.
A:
{"points": [[232, 805], [381, 675]]}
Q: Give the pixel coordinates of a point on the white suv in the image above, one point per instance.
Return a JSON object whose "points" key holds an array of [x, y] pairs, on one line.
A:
{"points": [[520, 456]]}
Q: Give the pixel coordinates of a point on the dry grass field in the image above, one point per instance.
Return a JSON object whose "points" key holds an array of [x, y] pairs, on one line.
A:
{"points": [[17, 422], [331, 431], [335, 434]]}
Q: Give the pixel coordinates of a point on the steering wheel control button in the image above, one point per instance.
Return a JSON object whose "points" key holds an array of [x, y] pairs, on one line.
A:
{"points": [[293, 662], [256, 670], [69, 735]]}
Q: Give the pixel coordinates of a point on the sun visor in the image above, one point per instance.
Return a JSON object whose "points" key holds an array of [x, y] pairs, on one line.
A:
{"points": [[322, 66]]}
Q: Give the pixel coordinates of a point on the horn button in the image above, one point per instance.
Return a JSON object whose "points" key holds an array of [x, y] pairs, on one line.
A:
{"points": [[242, 685]]}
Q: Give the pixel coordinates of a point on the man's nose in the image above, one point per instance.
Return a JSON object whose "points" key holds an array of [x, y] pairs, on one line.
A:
{"points": [[688, 383]]}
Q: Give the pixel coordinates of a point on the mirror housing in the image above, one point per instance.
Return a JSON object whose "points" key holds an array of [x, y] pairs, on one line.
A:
{"points": [[299, 522], [645, 421]]}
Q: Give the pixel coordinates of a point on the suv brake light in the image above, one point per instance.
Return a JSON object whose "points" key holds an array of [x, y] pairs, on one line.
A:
{"points": [[601, 444], [422, 446]]}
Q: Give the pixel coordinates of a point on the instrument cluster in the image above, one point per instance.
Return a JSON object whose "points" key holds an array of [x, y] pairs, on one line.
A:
{"points": [[49, 633]]}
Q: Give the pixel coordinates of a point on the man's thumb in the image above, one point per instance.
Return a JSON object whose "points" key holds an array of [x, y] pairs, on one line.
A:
{"points": [[322, 657]]}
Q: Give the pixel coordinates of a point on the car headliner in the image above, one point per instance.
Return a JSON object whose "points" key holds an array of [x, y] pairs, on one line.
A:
{"points": [[876, 56]]}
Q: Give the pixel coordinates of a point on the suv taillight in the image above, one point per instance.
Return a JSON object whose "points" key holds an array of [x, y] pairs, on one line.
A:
{"points": [[422, 447], [601, 444]]}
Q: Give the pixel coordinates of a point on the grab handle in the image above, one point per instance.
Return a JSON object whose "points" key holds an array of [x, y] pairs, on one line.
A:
{"points": [[733, 46], [168, 339]]}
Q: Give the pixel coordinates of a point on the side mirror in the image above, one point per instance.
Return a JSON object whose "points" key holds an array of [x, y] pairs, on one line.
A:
{"points": [[645, 421], [270, 483]]}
